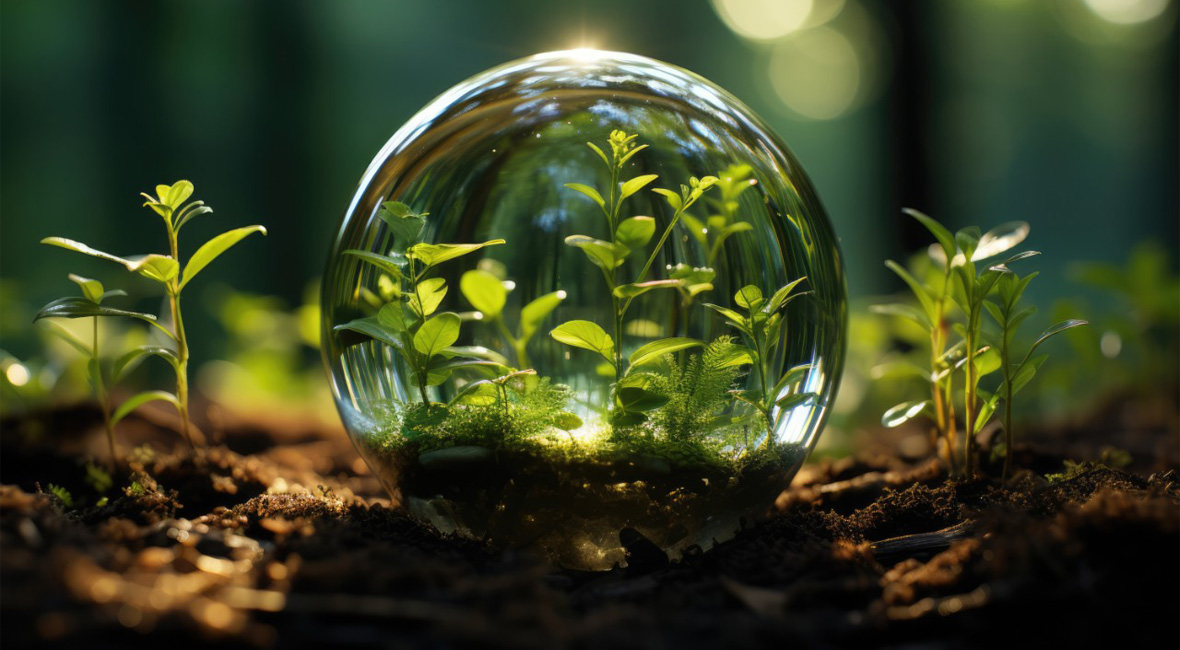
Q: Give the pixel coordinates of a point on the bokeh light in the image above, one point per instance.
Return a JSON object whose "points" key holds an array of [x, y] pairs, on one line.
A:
{"points": [[1127, 12], [816, 73], [764, 20]]}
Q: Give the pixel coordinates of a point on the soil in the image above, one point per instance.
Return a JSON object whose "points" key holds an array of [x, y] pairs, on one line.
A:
{"points": [[276, 535]]}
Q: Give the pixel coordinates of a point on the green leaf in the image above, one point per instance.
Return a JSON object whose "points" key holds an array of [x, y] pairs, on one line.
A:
{"points": [[391, 264], [749, 297], [479, 352], [782, 296], [393, 317], [654, 351], [1054, 331], [484, 291], [587, 335], [428, 295], [694, 280], [731, 315], [372, 328], [904, 412], [64, 334], [437, 378], [637, 399], [588, 191], [627, 156], [91, 289], [735, 355], [405, 224], [673, 198], [161, 268], [624, 418], [175, 195], [999, 239], [605, 160], [635, 232], [791, 377], [987, 362], [78, 307], [944, 236], [79, 247], [922, 293], [440, 363], [640, 288], [129, 360], [605, 255], [437, 334], [567, 421], [967, 240], [791, 401], [534, 313], [901, 310], [62, 495], [139, 399], [435, 254], [190, 212], [477, 393], [1026, 372], [211, 249], [985, 412], [635, 184]]}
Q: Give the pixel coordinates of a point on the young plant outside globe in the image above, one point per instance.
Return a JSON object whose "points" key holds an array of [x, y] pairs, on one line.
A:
{"points": [[580, 296]]}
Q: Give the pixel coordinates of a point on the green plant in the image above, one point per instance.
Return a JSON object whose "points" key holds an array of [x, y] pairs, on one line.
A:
{"points": [[631, 399], [696, 391], [409, 323], [93, 294], [171, 204], [1008, 314], [492, 413], [488, 294], [962, 285], [62, 495], [762, 327], [720, 226]]}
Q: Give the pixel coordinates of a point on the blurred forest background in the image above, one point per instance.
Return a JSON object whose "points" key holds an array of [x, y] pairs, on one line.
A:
{"points": [[1062, 113]]}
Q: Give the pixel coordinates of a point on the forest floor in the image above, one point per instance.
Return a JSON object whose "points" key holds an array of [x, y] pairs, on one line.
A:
{"points": [[277, 536]]}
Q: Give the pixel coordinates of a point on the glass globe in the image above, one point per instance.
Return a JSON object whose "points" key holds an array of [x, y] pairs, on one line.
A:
{"points": [[584, 297]]}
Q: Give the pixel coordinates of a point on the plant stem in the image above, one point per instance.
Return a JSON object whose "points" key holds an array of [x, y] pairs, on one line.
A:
{"points": [[766, 408], [104, 399], [181, 344], [969, 392], [941, 391], [656, 251], [1004, 352]]}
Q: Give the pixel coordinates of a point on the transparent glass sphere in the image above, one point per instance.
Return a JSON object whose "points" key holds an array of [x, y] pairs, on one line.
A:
{"points": [[580, 299]]}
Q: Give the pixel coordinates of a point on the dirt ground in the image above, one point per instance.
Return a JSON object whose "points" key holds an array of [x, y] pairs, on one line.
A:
{"points": [[277, 536]]}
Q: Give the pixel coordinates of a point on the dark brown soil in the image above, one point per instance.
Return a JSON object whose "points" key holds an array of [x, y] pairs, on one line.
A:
{"points": [[295, 545]]}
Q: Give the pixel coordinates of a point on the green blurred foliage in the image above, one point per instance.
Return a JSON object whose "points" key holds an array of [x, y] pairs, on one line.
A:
{"points": [[993, 110]]}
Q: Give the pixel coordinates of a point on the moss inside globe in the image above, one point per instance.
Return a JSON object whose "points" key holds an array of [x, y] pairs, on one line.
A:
{"points": [[584, 298]]}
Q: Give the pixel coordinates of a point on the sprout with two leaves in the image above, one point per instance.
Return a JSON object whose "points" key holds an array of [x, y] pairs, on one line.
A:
{"points": [[172, 205], [964, 286]]}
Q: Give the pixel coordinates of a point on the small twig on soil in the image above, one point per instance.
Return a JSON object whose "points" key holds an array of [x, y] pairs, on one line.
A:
{"points": [[918, 543]]}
